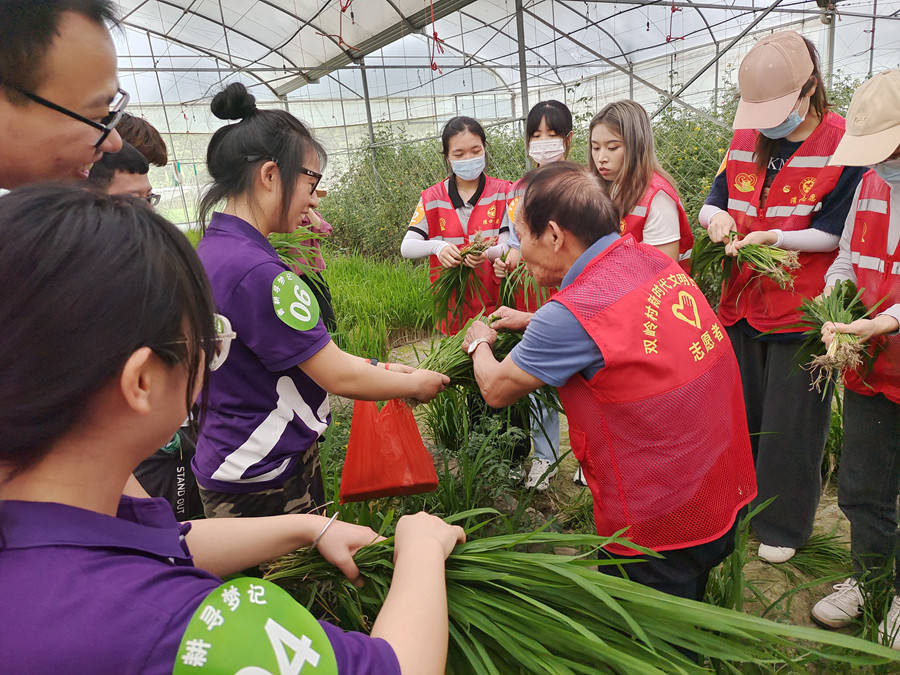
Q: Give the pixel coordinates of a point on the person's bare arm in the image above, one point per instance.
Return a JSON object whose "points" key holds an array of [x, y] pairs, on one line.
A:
{"points": [[501, 382], [413, 619], [347, 375]]}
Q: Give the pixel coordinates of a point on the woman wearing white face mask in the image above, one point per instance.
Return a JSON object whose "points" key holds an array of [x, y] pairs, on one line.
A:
{"points": [[778, 188], [548, 139], [451, 212], [869, 479]]}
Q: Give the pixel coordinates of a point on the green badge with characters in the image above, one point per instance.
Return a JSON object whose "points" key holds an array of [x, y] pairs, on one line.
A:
{"points": [[293, 302], [249, 626]]}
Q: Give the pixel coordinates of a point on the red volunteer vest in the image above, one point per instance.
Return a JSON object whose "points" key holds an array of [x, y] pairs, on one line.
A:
{"points": [[878, 276], [525, 302], [633, 223], [673, 477], [444, 224], [794, 197]]}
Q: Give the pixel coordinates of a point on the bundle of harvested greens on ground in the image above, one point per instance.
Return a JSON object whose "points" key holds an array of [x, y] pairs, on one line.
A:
{"points": [[454, 284], [517, 612], [846, 352], [521, 280], [778, 264]]}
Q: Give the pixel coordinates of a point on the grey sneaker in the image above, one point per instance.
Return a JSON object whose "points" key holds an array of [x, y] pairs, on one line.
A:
{"points": [[889, 629], [536, 477], [840, 608]]}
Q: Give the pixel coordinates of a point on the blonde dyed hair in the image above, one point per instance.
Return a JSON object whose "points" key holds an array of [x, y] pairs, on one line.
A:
{"points": [[628, 120]]}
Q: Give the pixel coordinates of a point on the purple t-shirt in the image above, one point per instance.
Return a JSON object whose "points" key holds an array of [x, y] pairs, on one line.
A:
{"points": [[263, 411], [83, 592]]}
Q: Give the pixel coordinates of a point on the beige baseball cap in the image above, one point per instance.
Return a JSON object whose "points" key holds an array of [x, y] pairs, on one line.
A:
{"points": [[873, 122], [770, 79]]}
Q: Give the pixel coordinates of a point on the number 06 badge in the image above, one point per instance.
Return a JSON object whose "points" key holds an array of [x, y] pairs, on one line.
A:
{"points": [[294, 302]]}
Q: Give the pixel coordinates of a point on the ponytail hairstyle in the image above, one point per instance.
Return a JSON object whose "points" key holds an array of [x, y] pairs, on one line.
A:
{"points": [[93, 278], [460, 125], [818, 102], [629, 121], [557, 117], [237, 150]]}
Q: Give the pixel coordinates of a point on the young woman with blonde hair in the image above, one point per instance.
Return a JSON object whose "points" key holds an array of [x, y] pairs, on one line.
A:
{"points": [[623, 155]]}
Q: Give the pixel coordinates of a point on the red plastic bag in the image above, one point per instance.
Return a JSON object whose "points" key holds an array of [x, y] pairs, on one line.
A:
{"points": [[385, 456]]}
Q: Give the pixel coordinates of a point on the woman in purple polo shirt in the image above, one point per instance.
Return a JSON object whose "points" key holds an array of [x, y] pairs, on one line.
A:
{"points": [[107, 342], [257, 454]]}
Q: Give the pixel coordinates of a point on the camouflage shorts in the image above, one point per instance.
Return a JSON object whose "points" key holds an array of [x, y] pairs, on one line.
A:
{"points": [[301, 493]]}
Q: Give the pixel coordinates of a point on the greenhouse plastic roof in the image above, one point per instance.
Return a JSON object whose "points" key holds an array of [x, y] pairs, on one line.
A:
{"points": [[180, 50]]}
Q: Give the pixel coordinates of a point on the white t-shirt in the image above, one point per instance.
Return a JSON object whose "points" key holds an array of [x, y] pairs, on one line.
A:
{"points": [[662, 226]]}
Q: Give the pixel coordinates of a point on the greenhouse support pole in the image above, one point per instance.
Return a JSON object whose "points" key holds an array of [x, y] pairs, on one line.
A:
{"points": [[872, 37], [716, 58], [828, 17], [523, 73], [365, 84], [631, 81]]}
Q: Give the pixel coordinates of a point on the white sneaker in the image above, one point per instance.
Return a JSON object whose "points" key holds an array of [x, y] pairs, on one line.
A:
{"points": [[775, 554], [536, 478], [578, 478], [840, 608], [889, 629]]}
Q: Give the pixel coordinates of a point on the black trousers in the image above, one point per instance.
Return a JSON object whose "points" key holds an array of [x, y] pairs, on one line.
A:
{"points": [[788, 426], [682, 572]]}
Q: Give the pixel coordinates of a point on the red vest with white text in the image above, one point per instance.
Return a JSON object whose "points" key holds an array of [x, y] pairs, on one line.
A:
{"points": [[654, 461], [444, 224], [878, 275], [795, 196], [633, 223]]}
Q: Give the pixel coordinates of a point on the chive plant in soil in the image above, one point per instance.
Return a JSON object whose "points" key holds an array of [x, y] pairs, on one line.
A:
{"points": [[517, 612], [521, 280]]}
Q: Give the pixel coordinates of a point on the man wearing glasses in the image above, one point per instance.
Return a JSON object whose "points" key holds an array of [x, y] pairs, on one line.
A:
{"points": [[60, 98]]}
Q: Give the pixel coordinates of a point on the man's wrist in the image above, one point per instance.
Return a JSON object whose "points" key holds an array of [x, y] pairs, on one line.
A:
{"points": [[476, 343]]}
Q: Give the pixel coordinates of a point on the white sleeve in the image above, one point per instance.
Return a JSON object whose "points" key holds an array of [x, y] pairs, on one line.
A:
{"points": [[707, 211], [414, 245], [894, 311], [501, 247], [662, 225], [809, 240], [842, 267]]}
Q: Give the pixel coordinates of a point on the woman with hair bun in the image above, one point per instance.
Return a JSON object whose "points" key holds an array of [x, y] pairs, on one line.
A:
{"points": [[451, 212], [118, 316], [623, 156], [257, 453]]}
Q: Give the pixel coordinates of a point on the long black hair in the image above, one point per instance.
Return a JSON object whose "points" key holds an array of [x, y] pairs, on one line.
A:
{"points": [[236, 150], [88, 279]]}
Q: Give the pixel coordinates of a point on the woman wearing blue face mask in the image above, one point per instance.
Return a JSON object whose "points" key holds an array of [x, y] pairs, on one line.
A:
{"points": [[451, 212], [777, 188]]}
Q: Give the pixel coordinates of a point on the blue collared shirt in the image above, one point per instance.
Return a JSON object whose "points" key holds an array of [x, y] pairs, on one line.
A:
{"points": [[555, 345]]}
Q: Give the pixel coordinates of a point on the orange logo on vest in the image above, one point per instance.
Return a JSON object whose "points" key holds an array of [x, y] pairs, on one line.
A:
{"points": [[806, 185], [686, 302], [442, 223], [621, 226], [745, 182], [492, 212]]}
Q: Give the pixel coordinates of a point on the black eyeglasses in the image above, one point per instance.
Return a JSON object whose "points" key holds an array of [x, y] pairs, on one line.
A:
{"points": [[153, 199], [302, 169], [105, 126]]}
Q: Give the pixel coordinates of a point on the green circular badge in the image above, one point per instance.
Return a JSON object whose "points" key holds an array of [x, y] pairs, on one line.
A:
{"points": [[252, 627], [293, 302]]}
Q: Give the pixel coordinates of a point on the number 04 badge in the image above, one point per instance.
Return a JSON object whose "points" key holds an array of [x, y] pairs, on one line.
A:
{"points": [[252, 627], [294, 302]]}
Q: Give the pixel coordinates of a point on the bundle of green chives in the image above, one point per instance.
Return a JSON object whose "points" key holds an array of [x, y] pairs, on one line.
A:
{"points": [[294, 249], [842, 305], [520, 279], [517, 612], [454, 284], [777, 264]]}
